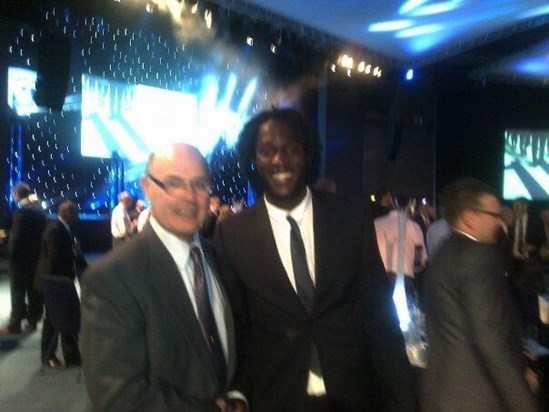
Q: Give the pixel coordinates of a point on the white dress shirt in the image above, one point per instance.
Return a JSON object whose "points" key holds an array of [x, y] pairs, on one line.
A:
{"points": [[180, 252]]}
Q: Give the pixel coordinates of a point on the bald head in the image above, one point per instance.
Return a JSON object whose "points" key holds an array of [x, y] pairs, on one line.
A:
{"points": [[176, 150]]}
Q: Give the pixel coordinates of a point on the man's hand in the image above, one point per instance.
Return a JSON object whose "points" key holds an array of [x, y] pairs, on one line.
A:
{"points": [[231, 405]]}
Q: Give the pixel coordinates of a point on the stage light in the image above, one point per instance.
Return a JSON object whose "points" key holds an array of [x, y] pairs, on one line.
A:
{"points": [[250, 41], [208, 18], [409, 74], [273, 48], [361, 66], [333, 67], [194, 6]]}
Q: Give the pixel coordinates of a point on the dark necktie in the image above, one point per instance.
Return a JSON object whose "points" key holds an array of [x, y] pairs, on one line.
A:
{"points": [[304, 283], [206, 317]]}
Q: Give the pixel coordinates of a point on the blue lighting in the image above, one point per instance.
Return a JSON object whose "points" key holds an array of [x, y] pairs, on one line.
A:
{"points": [[390, 25], [411, 5], [437, 8], [419, 31], [428, 24]]}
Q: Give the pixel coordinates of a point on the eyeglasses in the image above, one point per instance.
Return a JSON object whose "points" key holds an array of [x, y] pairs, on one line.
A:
{"points": [[486, 212], [176, 185]]}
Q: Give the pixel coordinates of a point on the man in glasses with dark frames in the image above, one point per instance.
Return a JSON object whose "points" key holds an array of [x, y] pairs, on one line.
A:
{"points": [[475, 356], [157, 331]]}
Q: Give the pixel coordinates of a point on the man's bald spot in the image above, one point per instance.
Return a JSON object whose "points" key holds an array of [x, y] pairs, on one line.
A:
{"points": [[170, 152]]}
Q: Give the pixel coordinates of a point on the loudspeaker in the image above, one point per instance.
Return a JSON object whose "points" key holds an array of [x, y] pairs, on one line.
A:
{"points": [[54, 59]]}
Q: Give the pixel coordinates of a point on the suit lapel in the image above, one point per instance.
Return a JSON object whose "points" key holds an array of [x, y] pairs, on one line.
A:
{"points": [[166, 279], [270, 277]]}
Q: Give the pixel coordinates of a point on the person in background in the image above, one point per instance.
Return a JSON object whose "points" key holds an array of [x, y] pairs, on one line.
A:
{"points": [[475, 348], [29, 222], [425, 215], [134, 214], [317, 327], [157, 331], [208, 226], [383, 202], [121, 225], [389, 233], [60, 255], [224, 212], [527, 237]]}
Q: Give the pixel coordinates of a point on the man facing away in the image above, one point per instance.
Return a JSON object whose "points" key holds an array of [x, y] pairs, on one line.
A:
{"points": [[60, 255], [317, 330], [157, 331], [475, 356], [29, 222]]}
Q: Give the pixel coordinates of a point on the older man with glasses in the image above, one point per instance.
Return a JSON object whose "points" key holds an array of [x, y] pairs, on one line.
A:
{"points": [[157, 332]]}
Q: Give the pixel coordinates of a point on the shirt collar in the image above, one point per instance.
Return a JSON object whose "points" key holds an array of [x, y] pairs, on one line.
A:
{"points": [[297, 212], [467, 235], [175, 246]]}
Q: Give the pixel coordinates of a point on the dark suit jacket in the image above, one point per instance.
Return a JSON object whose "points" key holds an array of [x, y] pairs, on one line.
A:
{"points": [[57, 257], [275, 333], [29, 223], [141, 343], [475, 357]]}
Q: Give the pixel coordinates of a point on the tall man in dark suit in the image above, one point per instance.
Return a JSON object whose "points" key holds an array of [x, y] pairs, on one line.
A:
{"points": [[316, 326], [157, 331], [29, 221], [475, 356], [60, 255]]}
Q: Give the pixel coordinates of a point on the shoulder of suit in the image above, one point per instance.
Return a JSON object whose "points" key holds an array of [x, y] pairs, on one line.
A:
{"points": [[128, 259]]}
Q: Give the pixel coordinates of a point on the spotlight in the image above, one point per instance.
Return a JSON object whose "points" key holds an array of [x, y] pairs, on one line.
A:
{"points": [[208, 18], [273, 48], [250, 41], [409, 74], [333, 67], [361, 66]]}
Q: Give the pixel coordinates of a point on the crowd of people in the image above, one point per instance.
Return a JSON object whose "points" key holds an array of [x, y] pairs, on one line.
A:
{"points": [[288, 305]]}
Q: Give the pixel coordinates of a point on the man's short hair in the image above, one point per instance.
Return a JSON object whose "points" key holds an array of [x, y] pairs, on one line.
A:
{"points": [[22, 190], [462, 194], [66, 208], [123, 195], [247, 142]]}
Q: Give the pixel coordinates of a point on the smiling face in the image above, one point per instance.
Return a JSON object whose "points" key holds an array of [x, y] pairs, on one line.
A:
{"points": [[281, 161], [182, 204]]}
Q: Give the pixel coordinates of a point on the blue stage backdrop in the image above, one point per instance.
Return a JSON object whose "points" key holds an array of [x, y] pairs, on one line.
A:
{"points": [[130, 89]]}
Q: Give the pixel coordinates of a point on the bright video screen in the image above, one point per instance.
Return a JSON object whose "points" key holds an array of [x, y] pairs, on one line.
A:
{"points": [[132, 120], [526, 164], [21, 87]]}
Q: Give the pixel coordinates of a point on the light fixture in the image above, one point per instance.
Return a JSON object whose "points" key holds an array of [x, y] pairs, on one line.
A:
{"points": [[208, 18], [250, 41], [409, 74]]}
